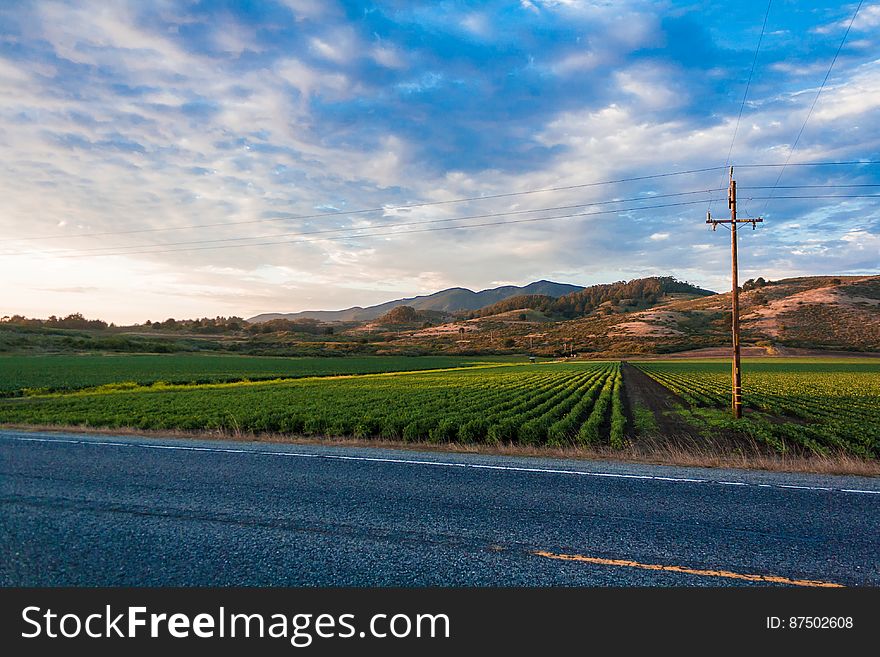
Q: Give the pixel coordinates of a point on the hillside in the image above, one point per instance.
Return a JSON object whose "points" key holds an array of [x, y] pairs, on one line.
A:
{"points": [[818, 312], [638, 293], [643, 316], [451, 300]]}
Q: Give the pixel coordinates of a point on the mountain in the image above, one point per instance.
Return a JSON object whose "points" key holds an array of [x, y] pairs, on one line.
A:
{"points": [[808, 315], [452, 300], [637, 293], [661, 315], [655, 315]]}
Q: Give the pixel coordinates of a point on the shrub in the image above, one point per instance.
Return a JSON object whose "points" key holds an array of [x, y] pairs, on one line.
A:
{"points": [[503, 431], [473, 431], [445, 431]]}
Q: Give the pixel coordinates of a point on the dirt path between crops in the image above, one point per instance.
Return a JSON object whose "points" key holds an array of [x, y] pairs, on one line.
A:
{"points": [[642, 390]]}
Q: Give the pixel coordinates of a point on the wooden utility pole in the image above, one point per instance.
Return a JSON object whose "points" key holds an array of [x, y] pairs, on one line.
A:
{"points": [[734, 324]]}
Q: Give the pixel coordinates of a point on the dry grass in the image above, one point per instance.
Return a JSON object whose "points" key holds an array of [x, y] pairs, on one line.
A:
{"points": [[658, 450], [743, 454]]}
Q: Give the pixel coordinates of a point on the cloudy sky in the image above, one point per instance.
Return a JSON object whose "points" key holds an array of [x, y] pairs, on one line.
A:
{"points": [[197, 158]]}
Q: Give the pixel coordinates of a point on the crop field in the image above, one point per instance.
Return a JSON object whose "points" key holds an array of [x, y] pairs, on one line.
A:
{"points": [[540, 404], [21, 375], [817, 404], [808, 405]]}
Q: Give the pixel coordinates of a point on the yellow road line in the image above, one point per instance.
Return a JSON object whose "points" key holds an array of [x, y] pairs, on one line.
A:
{"points": [[773, 579]]}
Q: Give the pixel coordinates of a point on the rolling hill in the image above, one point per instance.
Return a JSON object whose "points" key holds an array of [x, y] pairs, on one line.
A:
{"points": [[814, 312], [451, 300], [829, 313], [639, 292], [657, 315]]}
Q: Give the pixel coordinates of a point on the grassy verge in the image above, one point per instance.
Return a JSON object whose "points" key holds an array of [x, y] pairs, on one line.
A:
{"points": [[680, 451]]}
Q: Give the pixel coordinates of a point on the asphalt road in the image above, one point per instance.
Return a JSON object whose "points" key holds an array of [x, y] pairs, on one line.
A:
{"points": [[99, 510]]}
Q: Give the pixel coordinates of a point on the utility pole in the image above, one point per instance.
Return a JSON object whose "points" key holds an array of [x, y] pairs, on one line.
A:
{"points": [[734, 324]]}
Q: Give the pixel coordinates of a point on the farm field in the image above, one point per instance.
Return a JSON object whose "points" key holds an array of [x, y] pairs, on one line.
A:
{"points": [[821, 405], [555, 404], [806, 406], [48, 373]]}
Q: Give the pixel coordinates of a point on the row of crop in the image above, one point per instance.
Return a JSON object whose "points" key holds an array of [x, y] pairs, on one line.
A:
{"points": [[510, 422], [526, 405], [495, 426], [837, 417], [618, 417], [534, 425], [699, 391], [463, 405], [804, 394], [64, 372], [780, 394], [566, 428], [442, 409]]}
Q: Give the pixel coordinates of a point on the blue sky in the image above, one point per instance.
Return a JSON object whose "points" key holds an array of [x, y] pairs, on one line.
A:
{"points": [[125, 124]]}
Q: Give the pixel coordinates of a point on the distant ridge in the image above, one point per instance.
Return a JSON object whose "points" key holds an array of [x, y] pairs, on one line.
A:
{"points": [[450, 300]]}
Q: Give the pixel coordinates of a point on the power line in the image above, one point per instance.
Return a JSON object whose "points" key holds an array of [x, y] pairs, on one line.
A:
{"points": [[748, 84], [154, 248], [431, 203], [828, 186], [746, 92], [391, 225], [808, 164], [815, 100], [380, 234], [441, 228], [151, 249], [385, 208], [816, 196]]}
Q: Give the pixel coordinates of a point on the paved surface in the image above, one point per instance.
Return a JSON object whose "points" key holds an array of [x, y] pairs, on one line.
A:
{"points": [[99, 510]]}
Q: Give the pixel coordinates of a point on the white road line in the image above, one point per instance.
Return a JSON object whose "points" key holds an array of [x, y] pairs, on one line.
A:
{"points": [[441, 464]]}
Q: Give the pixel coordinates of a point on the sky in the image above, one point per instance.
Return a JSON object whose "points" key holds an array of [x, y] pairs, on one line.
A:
{"points": [[218, 157]]}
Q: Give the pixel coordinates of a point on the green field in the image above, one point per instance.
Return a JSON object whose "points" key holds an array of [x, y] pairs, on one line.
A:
{"points": [[807, 405], [817, 404], [28, 373], [525, 404]]}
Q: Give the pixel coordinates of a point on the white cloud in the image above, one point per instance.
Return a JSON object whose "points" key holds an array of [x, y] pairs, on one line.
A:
{"points": [[862, 240], [339, 45], [310, 9], [577, 62], [309, 80], [327, 51], [196, 139], [654, 86], [868, 18], [388, 56], [477, 24], [10, 72], [858, 94]]}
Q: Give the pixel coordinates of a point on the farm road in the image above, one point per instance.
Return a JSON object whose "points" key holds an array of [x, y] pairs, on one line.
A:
{"points": [[99, 510]]}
